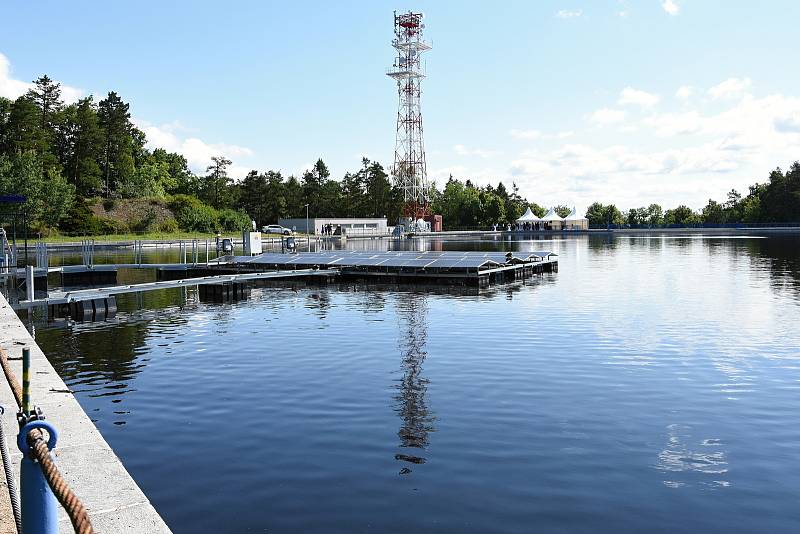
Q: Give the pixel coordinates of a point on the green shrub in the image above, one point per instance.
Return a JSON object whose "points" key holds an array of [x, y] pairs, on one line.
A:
{"points": [[147, 223], [231, 220], [112, 226], [81, 221], [193, 215], [168, 226]]}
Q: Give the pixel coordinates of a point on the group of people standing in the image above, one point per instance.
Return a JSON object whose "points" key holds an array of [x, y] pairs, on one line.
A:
{"points": [[329, 229]]}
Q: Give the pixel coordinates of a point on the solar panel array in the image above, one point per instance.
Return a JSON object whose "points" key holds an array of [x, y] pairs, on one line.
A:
{"points": [[449, 259]]}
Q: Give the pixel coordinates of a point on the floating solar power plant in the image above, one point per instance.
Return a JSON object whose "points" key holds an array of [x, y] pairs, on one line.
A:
{"points": [[448, 266]]}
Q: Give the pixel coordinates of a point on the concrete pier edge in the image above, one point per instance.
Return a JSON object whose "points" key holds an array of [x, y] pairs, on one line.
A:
{"points": [[114, 501]]}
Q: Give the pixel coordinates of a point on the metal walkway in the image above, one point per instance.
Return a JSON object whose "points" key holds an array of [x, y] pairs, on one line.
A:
{"points": [[66, 297]]}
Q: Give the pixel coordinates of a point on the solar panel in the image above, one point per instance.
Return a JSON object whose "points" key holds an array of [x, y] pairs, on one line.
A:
{"points": [[442, 259], [371, 262]]}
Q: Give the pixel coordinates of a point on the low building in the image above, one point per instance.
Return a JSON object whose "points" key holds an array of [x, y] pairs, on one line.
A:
{"points": [[351, 226], [435, 221]]}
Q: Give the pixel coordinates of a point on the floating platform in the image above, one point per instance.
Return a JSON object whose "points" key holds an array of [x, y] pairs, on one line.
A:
{"points": [[447, 267], [231, 274], [67, 297]]}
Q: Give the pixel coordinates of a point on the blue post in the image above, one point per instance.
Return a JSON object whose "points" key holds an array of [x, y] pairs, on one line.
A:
{"points": [[39, 505]]}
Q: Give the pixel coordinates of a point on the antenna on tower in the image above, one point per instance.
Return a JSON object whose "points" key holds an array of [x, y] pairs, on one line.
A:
{"points": [[409, 170]]}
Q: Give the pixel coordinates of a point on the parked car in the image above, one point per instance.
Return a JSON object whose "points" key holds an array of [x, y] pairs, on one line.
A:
{"points": [[276, 229]]}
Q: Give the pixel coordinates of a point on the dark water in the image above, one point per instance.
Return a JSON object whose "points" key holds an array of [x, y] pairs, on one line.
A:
{"points": [[652, 384]]}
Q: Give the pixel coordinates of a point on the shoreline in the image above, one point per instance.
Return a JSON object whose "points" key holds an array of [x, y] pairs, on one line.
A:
{"points": [[114, 501], [167, 242]]}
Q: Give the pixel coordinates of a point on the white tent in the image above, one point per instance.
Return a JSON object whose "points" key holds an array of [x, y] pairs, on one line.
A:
{"points": [[573, 221], [552, 216], [528, 216]]}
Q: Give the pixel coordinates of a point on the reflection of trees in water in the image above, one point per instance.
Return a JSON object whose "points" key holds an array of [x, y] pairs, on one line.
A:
{"points": [[779, 256], [103, 357], [602, 242], [410, 403]]}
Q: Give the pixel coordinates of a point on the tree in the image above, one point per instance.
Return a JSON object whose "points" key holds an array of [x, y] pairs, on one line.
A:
{"points": [[313, 182], [150, 180], [751, 205], [79, 142], [46, 96], [494, 209], [295, 201], [378, 189], [49, 196], [601, 215], [780, 200], [562, 211], [353, 190], [681, 216], [596, 213], [23, 130], [713, 213], [330, 199], [5, 115], [114, 120], [217, 181], [655, 215], [274, 198], [253, 192], [182, 180]]}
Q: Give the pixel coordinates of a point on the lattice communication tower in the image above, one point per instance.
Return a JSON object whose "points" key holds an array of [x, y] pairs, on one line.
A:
{"points": [[409, 171]]}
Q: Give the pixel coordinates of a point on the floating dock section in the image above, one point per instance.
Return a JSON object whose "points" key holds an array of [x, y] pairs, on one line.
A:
{"points": [[443, 267]]}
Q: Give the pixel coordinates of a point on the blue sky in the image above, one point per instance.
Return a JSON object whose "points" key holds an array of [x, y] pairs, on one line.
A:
{"points": [[632, 102]]}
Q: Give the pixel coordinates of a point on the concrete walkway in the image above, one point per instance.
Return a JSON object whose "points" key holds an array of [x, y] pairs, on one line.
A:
{"points": [[114, 501]]}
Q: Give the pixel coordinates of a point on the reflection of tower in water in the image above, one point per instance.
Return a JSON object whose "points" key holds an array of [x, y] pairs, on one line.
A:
{"points": [[410, 404]]}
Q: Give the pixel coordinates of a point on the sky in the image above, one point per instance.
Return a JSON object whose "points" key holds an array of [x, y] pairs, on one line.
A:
{"points": [[617, 101]]}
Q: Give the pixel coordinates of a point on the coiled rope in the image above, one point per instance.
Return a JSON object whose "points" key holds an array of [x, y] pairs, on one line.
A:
{"points": [[72, 505]]}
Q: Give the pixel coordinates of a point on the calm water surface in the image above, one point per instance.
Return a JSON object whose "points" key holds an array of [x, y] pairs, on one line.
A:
{"points": [[652, 384]]}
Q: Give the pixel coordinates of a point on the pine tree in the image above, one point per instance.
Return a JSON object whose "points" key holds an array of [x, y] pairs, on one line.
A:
{"points": [[116, 127]]}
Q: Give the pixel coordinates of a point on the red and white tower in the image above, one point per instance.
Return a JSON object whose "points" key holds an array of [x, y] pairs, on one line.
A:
{"points": [[409, 171]]}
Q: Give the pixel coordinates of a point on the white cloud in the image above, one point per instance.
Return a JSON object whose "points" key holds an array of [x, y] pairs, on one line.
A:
{"points": [[631, 96], [684, 92], [538, 134], [788, 124], [626, 176], [198, 153], [478, 176], [622, 14], [732, 148], [569, 14], [461, 150], [670, 124], [12, 88], [730, 88], [671, 7], [526, 134], [607, 116]]}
